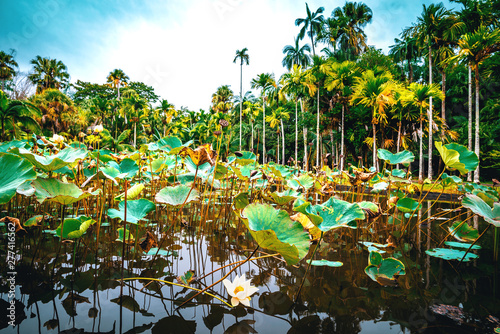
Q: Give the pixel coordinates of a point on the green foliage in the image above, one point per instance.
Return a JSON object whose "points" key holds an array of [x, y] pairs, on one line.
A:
{"points": [[9, 181]]}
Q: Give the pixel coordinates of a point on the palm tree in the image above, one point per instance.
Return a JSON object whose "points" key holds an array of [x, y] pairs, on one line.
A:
{"points": [[351, 19], [276, 120], [340, 77], [405, 49], [375, 92], [222, 99], [165, 112], [7, 68], [14, 111], [252, 110], [54, 105], [137, 108], [243, 56], [296, 55], [117, 78], [418, 97], [311, 24], [48, 73], [475, 48], [264, 82]]}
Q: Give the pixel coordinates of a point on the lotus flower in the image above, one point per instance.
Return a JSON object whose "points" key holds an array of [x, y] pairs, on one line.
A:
{"points": [[98, 128], [240, 290], [57, 138]]}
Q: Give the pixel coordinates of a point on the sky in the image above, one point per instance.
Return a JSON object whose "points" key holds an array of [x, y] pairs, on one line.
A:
{"points": [[183, 48]]}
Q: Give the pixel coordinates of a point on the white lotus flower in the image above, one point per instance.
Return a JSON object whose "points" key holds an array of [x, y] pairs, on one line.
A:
{"points": [[98, 128], [57, 138], [240, 290]]}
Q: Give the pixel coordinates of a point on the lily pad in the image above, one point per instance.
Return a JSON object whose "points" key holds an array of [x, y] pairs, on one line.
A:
{"points": [[15, 172], [325, 263], [383, 271], [52, 162], [74, 228], [457, 157], [461, 245], [136, 210], [450, 254], [60, 192], [177, 195], [403, 157], [481, 208], [463, 232], [274, 230]]}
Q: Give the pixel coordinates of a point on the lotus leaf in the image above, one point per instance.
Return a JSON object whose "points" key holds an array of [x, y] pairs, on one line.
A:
{"points": [[10, 181], [60, 192], [284, 197], [74, 228], [129, 237], [325, 263], [403, 157], [241, 200], [132, 192], [304, 181], [461, 245], [172, 145], [408, 205], [448, 180], [463, 232], [33, 221], [380, 186], [383, 270], [489, 198], [245, 158], [127, 166], [398, 173], [450, 254], [308, 225], [4, 147], [274, 230], [136, 210], [162, 252], [177, 195], [481, 208], [53, 162], [201, 155], [457, 157], [280, 171]]}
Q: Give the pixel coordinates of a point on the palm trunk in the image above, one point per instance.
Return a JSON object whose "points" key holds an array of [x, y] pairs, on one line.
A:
{"points": [[296, 133], [410, 68], [374, 147], [278, 147], [342, 139], [135, 135], [476, 150], [283, 142], [241, 96], [429, 171], [469, 175], [304, 134], [317, 132], [264, 130], [252, 134], [443, 103], [421, 152]]}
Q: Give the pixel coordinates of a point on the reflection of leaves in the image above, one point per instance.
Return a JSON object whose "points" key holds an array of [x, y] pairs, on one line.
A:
{"points": [[148, 242], [175, 325], [51, 324], [130, 304], [275, 303], [187, 278], [241, 327], [238, 311], [309, 324], [214, 318], [139, 329], [70, 302]]}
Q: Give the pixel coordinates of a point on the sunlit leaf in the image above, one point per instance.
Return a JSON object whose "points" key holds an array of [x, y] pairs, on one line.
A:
{"points": [[177, 195], [457, 157], [481, 208], [136, 210], [325, 263], [463, 232], [451, 254], [60, 192], [403, 157], [74, 228], [9, 181], [52, 162]]}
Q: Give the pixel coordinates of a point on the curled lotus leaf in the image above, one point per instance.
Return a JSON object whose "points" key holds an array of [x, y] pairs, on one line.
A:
{"points": [[52, 162], [245, 158], [403, 157], [60, 192], [477, 205], [136, 210], [201, 155], [463, 232], [457, 157], [74, 228], [132, 193], [127, 166], [304, 182], [10, 181], [384, 271], [273, 229], [177, 195]]}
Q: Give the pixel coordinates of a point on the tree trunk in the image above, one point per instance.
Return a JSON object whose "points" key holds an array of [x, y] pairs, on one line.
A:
{"points": [[476, 150], [252, 136], [283, 142], [135, 136], [469, 175], [443, 103], [374, 147], [241, 96], [317, 132], [342, 159], [296, 133], [304, 132], [278, 147], [421, 152], [429, 171], [410, 68], [264, 129]]}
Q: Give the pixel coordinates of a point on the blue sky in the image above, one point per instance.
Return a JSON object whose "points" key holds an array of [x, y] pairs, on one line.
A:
{"points": [[184, 49]]}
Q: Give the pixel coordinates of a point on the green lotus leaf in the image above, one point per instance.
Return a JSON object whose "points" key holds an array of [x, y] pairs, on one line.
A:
{"points": [[302, 182], [33, 221], [245, 158], [463, 232], [26, 189], [53, 162], [220, 171], [239, 173], [308, 209], [15, 172], [128, 235], [280, 171], [461, 245], [448, 180], [325, 263], [106, 173], [399, 173], [74, 228], [241, 200], [171, 145], [457, 157], [403, 157], [284, 197], [132, 192], [4, 147], [370, 208], [127, 166], [450, 254], [374, 247], [273, 229], [60, 192], [380, 186], [489, 198], [136, 210], [408, 205], [162, 252], [177, 195], [383, 270], [481, 208]]}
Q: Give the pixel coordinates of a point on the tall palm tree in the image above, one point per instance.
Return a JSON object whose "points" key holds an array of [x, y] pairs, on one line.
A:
{"points": [[311, 24], [166, 111], [377, 93], [251, 110], [54, 105], [340, 77], [136, 108], [475, 48], [48, 73], [117, 78], [264, 82], [351, 19], [405, 49], [222, 99], [7, 68], [276, 120], [14, 111], [243, 56], [296, 55], [418, 97]]}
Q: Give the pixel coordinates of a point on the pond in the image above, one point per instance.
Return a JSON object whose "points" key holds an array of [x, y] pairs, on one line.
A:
{"points": [[169, 240]]}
